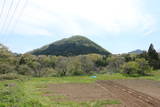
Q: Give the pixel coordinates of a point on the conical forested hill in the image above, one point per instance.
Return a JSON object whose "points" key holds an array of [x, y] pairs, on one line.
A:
{"points": [[75, 45]]}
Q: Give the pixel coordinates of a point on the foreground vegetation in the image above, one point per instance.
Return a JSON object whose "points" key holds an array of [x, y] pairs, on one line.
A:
{"points": [[29, 93]]}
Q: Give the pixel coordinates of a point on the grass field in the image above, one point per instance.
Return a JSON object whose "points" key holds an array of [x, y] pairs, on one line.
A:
{"points": [[28, 93]]}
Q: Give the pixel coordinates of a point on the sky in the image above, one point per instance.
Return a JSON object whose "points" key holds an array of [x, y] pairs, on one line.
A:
{"points": [[119, 26]]}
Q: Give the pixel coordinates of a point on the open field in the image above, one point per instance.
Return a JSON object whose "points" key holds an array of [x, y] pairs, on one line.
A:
{"points": [[129, 96], [113, 90], [150, 87], [107, 90]]}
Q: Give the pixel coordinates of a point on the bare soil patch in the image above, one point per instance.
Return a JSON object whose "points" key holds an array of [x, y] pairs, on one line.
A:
{"points": [[150, 87], [130, 97], [79, 91], [126, 91]]}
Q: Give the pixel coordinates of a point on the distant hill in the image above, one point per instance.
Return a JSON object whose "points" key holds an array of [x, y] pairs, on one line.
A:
{"points": [[75, 45], [138, 51]]}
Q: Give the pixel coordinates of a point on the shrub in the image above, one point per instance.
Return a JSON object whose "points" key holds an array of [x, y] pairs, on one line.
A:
{"points": [[137, 67], [143, 66], [61, 66], [101, 62], [11, 76], [74, 66], [130, 68], [48, 72], [12, 94], [24, 70], [114, 63], [6, 68], [87, 64]]}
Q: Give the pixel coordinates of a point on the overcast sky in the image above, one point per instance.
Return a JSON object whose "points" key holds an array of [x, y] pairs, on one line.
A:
{"points": [[117, 25]]}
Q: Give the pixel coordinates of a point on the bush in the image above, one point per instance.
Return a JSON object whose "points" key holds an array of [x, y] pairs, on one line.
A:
{"points": [[24, 70], [101, 62], [87, 65], [6, 68], [11, 76], [130, 68], [114, 63], [12, 94], [48, 72], [74, 66], [137, 67], [61, 66], [143, 66]]}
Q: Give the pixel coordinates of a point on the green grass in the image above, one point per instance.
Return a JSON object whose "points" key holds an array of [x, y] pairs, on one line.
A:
{"points": [[99, 103], [79, 79], [28, 93], [12, 94]]}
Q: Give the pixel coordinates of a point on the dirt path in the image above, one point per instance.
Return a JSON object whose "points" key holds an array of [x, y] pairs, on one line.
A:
{"points": [[129, 97]]}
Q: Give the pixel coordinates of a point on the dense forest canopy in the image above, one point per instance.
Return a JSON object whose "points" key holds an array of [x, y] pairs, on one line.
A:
{"points": [[75, 45]]}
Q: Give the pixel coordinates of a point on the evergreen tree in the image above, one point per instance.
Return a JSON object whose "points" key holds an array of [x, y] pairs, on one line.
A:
{"points": [[152, 54], [153, 57]]}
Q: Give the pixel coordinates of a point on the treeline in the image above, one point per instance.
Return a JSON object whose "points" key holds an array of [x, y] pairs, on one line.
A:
{"points": [[41, 66]]}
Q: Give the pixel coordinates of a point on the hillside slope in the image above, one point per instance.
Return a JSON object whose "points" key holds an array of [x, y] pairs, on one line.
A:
{"points": [[75, 45]]}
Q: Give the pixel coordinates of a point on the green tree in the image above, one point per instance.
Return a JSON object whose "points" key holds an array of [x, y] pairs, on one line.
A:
{"points": [[101, 62], [153, 57], [143, 66], [24, 70], [36, 66], [87, 64], [6, 68], [130, 68], [61, 66], [114, 63], [138, 67], [74, 66]]}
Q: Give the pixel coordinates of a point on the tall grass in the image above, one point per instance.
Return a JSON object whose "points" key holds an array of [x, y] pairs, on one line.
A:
{"points": [[12, 94]]}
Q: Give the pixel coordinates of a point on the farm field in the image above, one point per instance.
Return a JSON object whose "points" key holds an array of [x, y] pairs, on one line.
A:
{"points": [[107, 90], [79, 53]]}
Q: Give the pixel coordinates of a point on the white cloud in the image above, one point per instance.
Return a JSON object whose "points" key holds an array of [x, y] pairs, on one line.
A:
{"points": [[111, 15], [149, 25], [148, 32], [28, 29]]}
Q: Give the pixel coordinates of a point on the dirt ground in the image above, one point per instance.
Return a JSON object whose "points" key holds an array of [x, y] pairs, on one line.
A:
{"points": [[131, 93], [150, 87]]}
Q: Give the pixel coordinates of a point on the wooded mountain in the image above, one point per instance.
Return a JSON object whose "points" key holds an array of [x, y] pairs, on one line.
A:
{"points": [[75, 45]]}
